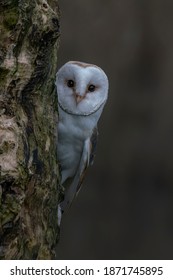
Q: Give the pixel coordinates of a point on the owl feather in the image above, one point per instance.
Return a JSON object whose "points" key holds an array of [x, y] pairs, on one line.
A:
{"points": [[82, 93]]}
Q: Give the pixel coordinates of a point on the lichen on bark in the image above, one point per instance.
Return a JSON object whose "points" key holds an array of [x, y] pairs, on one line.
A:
{"points": [[29, 32]]}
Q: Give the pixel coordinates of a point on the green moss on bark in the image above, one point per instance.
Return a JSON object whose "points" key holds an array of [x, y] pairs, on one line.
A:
{"points": [[10, 18], [3, 74]]}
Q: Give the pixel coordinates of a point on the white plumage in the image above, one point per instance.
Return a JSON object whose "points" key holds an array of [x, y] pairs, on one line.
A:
{"points": [[82, 92]]}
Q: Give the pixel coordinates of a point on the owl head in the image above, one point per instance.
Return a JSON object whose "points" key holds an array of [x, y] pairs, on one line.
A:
{"points": [[82, 88]]}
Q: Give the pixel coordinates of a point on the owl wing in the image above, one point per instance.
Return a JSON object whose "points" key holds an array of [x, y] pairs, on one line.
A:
{"points": [[93, 145], [89, 150], [87, 159]]}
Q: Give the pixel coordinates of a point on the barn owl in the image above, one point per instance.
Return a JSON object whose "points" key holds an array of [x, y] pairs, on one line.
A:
{"points": [[82, 90]]}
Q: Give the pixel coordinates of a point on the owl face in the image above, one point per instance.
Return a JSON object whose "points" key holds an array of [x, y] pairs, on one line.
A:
{"points": [[82, 88]]}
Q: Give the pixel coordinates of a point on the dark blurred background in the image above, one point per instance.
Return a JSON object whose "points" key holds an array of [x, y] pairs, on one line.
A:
{"points": [[125, 208]]}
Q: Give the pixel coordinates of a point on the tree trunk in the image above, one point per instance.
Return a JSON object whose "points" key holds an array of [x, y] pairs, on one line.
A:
{"points": [[29, 187]]}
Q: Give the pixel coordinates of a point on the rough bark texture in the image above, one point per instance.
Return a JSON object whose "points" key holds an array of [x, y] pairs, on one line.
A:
{"points": [[29, 32]]}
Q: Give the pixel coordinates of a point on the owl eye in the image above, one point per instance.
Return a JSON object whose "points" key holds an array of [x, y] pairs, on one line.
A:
{"points": [[70, 83], [91, 88]]}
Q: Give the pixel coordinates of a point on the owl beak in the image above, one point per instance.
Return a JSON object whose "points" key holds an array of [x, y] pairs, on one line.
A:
{"points": [[78, 98]]}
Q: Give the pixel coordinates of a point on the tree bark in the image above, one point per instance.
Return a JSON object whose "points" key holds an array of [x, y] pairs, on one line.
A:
{"points": [[29, 178]]}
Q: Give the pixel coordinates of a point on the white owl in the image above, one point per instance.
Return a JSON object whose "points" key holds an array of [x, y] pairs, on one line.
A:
{"points": [[82, 93]]}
